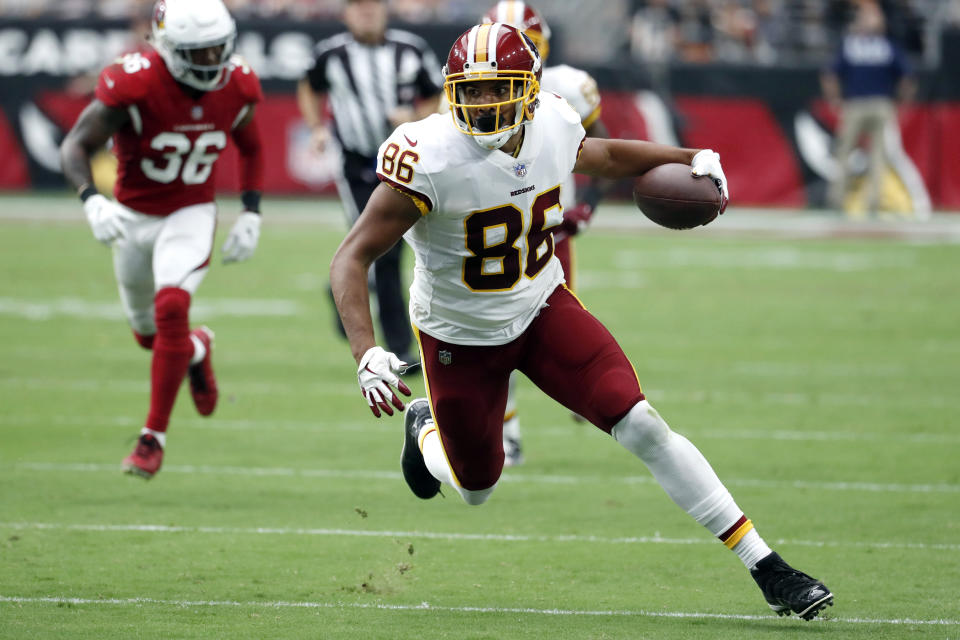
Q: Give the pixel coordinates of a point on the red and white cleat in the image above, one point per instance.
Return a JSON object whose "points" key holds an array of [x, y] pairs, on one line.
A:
{"points": [[203, 384], [146, 458]]}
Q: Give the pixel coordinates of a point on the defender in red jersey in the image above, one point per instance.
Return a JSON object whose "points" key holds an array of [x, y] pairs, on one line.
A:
{"points": [[170, 110]]}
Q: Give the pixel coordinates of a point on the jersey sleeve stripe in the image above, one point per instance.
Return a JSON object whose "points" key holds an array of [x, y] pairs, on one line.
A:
{"points": [[580, 148], [242, 114], [423, 202], [135, 120], [590, 119]]}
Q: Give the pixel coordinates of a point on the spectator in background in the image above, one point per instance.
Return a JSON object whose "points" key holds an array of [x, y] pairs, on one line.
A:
{"points": [[417, 11], [771, 30], [376, 79], [697, 34], [870, 72], [735, 26], [653, 36], [952, 13]]}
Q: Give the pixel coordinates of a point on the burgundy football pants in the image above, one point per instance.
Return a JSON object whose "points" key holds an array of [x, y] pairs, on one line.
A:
{"points": [[566, 352]]}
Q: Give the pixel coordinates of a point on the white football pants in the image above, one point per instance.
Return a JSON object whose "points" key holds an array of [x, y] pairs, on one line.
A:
{"points": [[159, 252]]}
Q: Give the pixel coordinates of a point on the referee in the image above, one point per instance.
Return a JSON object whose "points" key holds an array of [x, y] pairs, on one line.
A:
{"points": [[375, 79]]}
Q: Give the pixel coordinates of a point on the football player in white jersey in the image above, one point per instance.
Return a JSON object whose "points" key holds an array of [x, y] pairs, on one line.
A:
{"points": [[477, 195], [579, 89]]}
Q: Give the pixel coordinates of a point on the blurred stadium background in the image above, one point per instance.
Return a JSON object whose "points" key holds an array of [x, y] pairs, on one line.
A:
{"points": [[740, 76], [811, 355]]}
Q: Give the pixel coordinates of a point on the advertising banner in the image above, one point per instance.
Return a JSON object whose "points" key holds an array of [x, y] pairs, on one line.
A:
{"points": [[772, 130]]}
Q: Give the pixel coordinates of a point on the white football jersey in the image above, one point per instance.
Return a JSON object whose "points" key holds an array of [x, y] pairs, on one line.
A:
{"points": [[484, 247], [579, 89], [576, 87]]}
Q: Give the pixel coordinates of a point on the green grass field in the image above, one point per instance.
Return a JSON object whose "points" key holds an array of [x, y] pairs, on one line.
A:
{"points": [[817, 375]]}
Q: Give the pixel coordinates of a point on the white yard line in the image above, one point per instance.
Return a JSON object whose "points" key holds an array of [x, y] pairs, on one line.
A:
{"points": [[714, 396], [427, 607], [293, 388], [205, 309], [565, 429], [439, 535], [796, 258], [530, 478], [941, 228], [767, 369]]}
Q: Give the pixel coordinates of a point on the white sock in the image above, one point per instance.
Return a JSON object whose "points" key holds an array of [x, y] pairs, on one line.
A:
{"points": [[752, 549], [161, 436], [688, 479], [199, 351], [436, 461]]}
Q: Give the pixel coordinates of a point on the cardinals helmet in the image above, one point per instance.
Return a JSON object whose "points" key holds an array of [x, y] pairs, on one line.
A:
{"points": [[183, 28]]}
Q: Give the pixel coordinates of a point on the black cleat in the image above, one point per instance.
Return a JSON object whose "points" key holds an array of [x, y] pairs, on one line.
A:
{"points": [[788, 590], [415, 471]]}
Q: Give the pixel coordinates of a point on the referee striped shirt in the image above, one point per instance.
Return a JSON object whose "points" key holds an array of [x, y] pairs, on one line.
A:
{"points": [[365, 83]]}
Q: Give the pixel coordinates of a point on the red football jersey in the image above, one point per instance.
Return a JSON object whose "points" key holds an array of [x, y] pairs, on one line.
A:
{"points": [[167, 150]]}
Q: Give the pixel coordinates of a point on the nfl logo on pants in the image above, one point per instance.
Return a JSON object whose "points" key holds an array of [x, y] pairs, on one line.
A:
{"points": [[445, 357]]}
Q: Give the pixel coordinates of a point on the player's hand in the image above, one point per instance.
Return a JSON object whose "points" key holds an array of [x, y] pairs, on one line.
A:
{"points": [[376, 374], [108, 219], [243, 237], [707, 163], [319, 138], [576, 218]]}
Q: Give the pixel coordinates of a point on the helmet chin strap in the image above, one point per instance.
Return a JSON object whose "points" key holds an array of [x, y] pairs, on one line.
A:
{"points": [[493, 141]]}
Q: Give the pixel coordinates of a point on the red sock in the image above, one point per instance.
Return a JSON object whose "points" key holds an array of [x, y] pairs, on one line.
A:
{"points": [[144, 341], [172, 351]]}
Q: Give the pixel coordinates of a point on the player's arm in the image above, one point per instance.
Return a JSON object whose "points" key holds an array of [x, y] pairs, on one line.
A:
{"points": [[246, 135], [615, 158], [242, 240], [95, 126], [310, 103], [384, 220], [387, 216]]}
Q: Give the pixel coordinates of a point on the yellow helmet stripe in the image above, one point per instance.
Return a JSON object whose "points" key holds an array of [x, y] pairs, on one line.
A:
{"points": [[483, 34]]}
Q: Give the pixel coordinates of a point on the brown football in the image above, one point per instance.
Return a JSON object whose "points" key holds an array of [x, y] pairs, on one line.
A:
{"points": [[674, 198]]}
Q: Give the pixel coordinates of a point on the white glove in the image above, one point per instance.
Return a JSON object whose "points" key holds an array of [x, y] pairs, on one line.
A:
{"points": [[707, 163], [107, 218], [377, 372], [243, 237]]}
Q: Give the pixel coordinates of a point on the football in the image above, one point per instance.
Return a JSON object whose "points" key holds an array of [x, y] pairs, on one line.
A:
{"points": [[674, 198]]}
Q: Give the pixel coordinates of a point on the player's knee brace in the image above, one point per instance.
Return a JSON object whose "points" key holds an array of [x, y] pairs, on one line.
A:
{"points": [[642, 430], [171, 309]]}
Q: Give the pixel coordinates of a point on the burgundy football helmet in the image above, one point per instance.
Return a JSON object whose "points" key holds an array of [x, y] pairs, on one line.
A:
{"points": [[485, 53], [525, 18]]}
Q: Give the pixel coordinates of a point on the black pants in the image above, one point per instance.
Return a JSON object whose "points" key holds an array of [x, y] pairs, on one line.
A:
{"points": [[361, 179]]}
